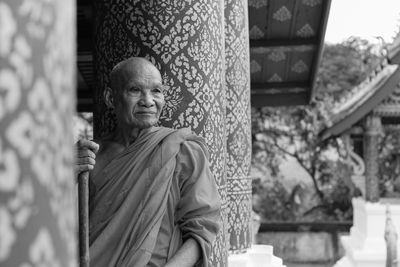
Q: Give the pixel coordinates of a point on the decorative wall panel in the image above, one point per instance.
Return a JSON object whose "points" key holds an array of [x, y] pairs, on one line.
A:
{"points": [[37, 101], [185, 40], [238, 127]]}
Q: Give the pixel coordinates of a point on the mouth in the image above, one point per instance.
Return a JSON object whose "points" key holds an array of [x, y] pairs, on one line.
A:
{"points": [[145, 113]]}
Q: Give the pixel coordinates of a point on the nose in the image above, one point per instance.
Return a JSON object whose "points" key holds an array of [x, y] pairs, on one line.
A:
{"points": [[146, 100]]}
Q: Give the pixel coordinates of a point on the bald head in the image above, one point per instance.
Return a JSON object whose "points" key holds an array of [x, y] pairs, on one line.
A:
{"points": [[130, 68], [136, 94]]}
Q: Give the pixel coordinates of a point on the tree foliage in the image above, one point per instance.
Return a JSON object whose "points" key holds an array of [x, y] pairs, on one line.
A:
{"points": [[279, 133], [344, 66]]}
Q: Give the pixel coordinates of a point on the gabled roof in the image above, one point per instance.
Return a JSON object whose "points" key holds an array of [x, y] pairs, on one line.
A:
{"points": [[380, 93], [286, 41]]}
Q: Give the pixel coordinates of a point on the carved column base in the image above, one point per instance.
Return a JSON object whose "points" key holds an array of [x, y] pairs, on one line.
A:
{"points": [[365, 246], [256, 256]]}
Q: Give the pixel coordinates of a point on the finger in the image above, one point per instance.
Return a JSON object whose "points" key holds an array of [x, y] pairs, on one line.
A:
{"points": [[86, 153], [83, 168], [89, 144], [85, 160]]}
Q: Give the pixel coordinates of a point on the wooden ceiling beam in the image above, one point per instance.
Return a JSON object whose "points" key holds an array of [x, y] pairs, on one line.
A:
{"points": [[283, 42], [279, 85], [279, 99]]}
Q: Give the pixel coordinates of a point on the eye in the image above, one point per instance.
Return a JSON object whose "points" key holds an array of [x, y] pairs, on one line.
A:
{"points": [[157, 90], [134, 89]]}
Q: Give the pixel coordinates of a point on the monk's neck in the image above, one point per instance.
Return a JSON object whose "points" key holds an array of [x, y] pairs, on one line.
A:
{"points": [[126, 137]]}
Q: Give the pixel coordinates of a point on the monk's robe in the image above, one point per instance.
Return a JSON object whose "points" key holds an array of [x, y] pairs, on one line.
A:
{"points": [[152, 197]]}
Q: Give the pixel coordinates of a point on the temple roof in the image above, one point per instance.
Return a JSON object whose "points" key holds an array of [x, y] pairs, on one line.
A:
{"points": [[380, 93], [286, 41]]}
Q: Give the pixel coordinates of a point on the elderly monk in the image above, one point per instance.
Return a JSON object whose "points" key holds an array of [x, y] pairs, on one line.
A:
{"points": [[153, 200]]}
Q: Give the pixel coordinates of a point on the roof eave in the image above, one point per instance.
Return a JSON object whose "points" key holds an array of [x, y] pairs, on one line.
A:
{"points": [[386, 87], [321, 40]]}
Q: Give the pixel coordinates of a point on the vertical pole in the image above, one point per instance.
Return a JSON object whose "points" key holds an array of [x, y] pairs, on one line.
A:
{"points": [[83, 188]]}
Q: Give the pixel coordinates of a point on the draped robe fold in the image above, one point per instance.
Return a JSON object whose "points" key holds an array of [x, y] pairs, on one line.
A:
{"points": [[150, 198]]}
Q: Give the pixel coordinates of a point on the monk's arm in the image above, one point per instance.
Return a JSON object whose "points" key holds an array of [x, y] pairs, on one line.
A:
{"points": [[187, 255]]}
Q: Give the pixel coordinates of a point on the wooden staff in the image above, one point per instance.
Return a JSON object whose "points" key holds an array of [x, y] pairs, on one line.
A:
{"points": [[83, 188]]}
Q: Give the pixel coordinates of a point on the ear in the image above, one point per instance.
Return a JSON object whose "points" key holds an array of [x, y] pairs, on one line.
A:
{"points": [[109, 98]]}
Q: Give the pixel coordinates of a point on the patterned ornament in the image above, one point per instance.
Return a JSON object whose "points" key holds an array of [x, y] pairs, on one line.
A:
{"points": [[37, 71], [258, 3], [275, 78], [255, 67], [282, 14], [311, 3], [256, 33], [277, 55], [299, 67], [238, 128], [305, 31]]}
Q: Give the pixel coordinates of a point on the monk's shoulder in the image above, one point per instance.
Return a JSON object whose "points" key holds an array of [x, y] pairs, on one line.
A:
{"points": [[192, 145], [185, 134]]}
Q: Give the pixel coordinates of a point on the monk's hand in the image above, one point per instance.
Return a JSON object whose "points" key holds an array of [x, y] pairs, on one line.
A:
{"points": [[85, 155]]}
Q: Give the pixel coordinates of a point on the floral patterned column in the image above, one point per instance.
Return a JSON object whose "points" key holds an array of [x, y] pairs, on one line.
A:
{"points": [[238, 124], [37, 100], [185, 40]]}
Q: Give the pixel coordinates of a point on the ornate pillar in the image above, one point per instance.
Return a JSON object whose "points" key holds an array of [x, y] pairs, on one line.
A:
{"points": [[185, 40], [37, 101], [238, 124], [373, 130]]}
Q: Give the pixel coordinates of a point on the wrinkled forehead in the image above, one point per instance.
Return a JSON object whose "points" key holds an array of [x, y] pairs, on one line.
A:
{"points": [[137, 69]]}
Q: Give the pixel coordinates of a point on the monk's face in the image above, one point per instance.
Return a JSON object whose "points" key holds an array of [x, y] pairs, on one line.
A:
{"points": [[139, 98]]}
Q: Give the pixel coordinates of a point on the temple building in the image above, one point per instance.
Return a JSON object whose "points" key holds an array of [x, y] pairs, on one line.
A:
{"points": [[218, 58], [362, 117], [363, 114]]}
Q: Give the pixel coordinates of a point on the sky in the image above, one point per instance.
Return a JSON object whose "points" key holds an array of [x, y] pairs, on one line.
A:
{"points": [[363, 18]]}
